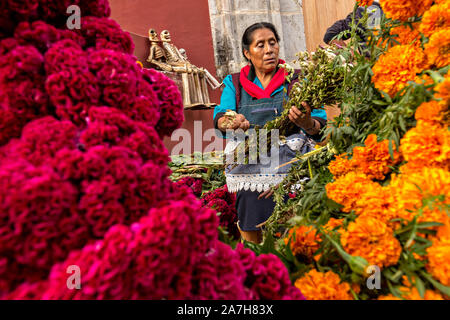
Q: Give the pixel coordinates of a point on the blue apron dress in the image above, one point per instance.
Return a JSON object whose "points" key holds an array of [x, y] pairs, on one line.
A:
{"points": [[249, 180]]}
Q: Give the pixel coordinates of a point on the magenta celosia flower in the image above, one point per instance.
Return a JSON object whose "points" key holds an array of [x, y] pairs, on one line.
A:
{"points": [[225, 203], [219, 275], [104, 33], [267, 277], [195, 184], [171, 103]]}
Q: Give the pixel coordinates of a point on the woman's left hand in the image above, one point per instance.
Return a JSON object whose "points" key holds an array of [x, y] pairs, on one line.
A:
{"points": [[301, 119]]}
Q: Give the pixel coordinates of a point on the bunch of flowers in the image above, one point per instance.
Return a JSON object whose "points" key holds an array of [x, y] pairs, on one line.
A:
{"points": [[85, 178]]}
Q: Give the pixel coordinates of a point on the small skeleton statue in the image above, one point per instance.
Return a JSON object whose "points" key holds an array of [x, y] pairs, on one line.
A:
{"points": [[195, 91], [157, 56]]}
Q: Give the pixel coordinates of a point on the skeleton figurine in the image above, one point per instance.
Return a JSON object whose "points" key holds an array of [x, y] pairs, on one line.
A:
{"points": [[157, 55], [171, 59], [174, 56]]}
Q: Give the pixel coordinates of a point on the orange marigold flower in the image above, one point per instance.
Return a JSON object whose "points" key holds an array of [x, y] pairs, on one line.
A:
{"points": [[444, 231], [439, 260], [404, 9], [346, 189], [412, 186], [374, 159], [438, 17], [376, 201], [405, 35], [304, 240], [438, 48], [341, 165], [443, 90], [425, 79], [316, 285], [373, 240], [432, 112], [364, 3], [396, 67], [333, 223], [427, 144]]}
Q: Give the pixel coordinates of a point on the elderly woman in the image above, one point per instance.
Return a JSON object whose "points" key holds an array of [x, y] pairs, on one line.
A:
{"points": [[257, 94]]}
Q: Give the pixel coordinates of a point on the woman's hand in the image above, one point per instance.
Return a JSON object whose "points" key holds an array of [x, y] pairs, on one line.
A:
{"points": [[301, 119], [239, 122]]}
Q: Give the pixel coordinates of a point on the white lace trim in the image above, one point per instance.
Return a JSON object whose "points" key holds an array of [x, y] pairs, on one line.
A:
{"points": [[253, 182], [258, 182]]}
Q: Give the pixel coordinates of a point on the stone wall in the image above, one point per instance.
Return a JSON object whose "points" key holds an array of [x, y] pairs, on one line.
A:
{"points": [[230, 18]]}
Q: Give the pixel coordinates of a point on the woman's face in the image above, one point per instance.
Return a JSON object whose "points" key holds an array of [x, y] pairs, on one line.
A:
{"points": [[263, 51]]}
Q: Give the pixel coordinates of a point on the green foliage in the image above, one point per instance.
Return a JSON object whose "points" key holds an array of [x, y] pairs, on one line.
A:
{"points": [[206, 166]]}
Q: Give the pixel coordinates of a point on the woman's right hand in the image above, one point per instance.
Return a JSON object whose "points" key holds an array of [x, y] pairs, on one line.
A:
{"points": [[239, 122]]}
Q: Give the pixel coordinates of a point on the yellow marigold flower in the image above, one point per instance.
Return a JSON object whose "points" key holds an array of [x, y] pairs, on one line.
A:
{"points": [[438, 17], [427, 144], [304, 240], [374, 159], [438, 48], [439, 260], [341, 165], [364, 3], [372, 240], [432, 112], [404, 9], [346, 189], [408, 196], [396, 67], [316, 285]]}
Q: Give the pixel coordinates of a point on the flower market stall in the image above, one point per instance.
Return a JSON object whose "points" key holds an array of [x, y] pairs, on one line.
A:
{"points": [[85, 176], [87, 182]]}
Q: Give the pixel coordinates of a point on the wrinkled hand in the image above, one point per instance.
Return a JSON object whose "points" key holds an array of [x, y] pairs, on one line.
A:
{"points": [[301, 119], [239, 122]]}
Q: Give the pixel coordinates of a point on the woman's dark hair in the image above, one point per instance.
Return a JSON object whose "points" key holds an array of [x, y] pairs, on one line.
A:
{"points": [[247, 37]]}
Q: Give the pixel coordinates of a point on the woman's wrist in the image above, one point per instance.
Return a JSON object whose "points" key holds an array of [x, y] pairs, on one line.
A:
{"points": [[312, 130]]}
